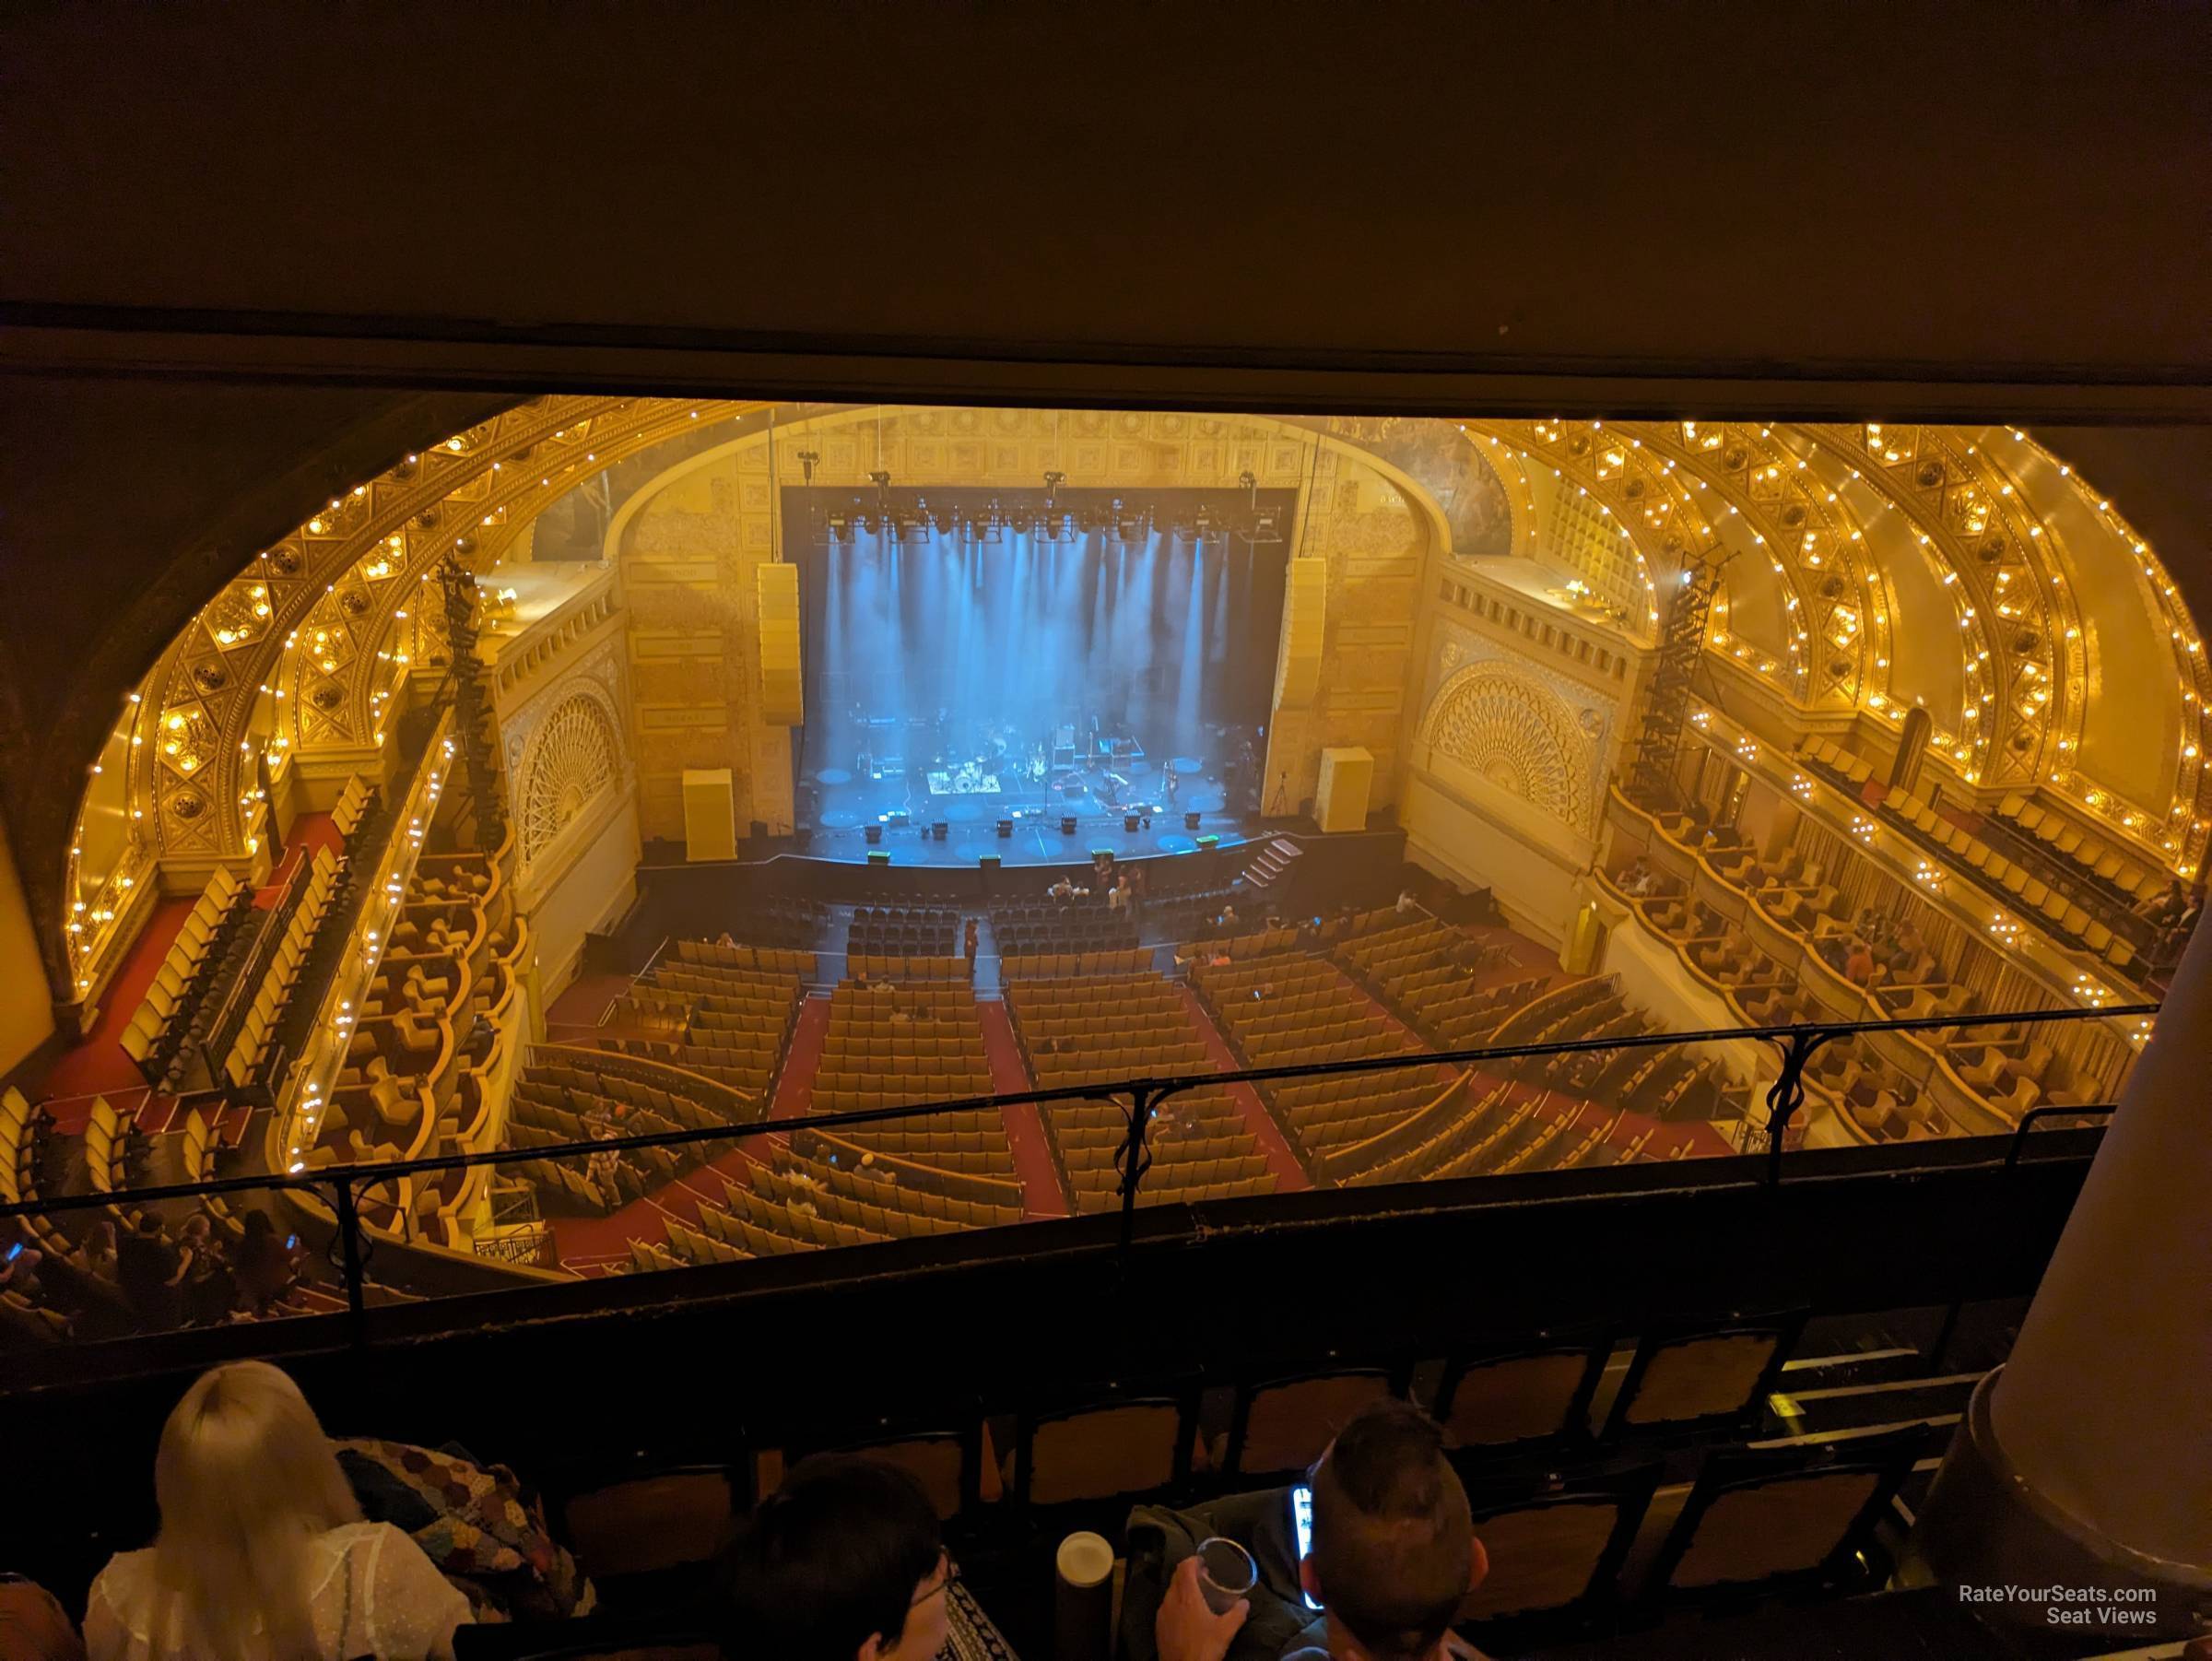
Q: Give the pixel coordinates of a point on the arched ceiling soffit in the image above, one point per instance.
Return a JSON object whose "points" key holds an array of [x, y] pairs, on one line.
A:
{"points": [[1819, 527]]}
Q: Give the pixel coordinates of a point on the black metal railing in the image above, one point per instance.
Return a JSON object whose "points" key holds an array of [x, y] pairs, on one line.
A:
{"points": [[345, 1185]]}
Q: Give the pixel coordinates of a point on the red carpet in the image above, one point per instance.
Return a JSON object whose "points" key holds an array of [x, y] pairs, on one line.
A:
{"points": [[309, 832], [1041, 1194], [586, 1001], [1289, 1177], [97, 1063], [801, 1060]]}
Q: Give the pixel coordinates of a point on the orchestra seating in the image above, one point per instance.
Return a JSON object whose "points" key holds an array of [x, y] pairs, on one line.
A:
{"points": [[1425, 970], [896, 971], [1073, 1031], [1025, 927], [800, 1202], [1045, 966], [891, 931], [723, 1011], [566, 1096], [894, 1045], [783, 923], [1295, 1007]]}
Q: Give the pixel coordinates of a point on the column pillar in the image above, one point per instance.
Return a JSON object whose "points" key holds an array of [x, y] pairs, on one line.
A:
{"points": [[2087, 1459]]}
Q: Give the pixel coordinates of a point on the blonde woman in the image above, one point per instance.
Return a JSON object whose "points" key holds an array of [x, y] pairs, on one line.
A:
{"points": [[262, 1555]]}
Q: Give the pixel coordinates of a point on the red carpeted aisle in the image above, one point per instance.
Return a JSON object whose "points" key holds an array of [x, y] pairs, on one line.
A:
{"points": [[309, 832], [1041, 1194], [1289, 1177], [97, 1063]]}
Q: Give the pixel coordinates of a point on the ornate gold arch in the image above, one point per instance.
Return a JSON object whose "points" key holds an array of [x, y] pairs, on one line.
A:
{"points": [[1504, 725]]}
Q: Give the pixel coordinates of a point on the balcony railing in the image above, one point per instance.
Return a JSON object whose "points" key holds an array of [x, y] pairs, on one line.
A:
{"points": [[352, 1244]]}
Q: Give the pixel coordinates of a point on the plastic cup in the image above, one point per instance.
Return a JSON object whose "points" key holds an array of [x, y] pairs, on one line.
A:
{"points": [[1083, 1600], [1225, 1573]]}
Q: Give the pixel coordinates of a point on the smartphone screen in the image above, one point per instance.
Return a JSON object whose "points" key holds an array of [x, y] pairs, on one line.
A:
{"points": [[1302, 1528], [291, 1243], [15, 1251]]}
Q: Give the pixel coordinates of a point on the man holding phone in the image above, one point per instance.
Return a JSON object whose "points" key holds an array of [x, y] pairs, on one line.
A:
{"points": [[1392, 1552]]}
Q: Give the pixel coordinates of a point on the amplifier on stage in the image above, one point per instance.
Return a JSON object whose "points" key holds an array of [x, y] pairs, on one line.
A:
{"points": [[897, 818]]}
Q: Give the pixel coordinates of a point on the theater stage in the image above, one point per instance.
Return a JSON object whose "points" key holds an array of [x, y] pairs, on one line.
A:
{"points": [[845, 805]]}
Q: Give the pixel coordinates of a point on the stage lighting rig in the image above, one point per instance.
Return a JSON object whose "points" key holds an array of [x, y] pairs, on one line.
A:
{"points": [[808, 461], [1054, 479]]}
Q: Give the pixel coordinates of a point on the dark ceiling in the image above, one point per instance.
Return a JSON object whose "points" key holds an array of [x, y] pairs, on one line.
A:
{"points": [[254, 251]]}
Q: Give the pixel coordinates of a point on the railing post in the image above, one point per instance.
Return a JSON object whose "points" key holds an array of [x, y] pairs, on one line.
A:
{"points": [[1788, 1095], [1135, 1158], [349, 1248]]}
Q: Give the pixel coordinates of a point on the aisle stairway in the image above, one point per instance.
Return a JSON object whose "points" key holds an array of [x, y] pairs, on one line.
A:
{"points": [[1276, 863]]}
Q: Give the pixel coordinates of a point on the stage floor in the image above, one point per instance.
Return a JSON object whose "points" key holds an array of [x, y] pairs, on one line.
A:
{"points": [[846, 805]]}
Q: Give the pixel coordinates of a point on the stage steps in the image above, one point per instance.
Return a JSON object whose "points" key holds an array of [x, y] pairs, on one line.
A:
{"points": [[1275, 862]]}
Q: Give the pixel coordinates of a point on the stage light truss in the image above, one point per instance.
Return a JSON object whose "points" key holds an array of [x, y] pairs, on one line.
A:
{"points": [[1127, 518]]}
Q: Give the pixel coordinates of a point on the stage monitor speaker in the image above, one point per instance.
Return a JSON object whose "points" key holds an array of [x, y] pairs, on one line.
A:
{"points": [[1209, 841], [879, 856], [1340, 799], [783, 697], [899, 819], [939, 828], [1067, 824], [1006, 828], [1305, 600], [874, 833], [986, 862], [1190, 820], [1129, 821], [710, 818]]}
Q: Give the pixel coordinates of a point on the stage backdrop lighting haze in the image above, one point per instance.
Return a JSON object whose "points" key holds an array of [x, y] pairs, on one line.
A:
{"points": [[966, 627]]}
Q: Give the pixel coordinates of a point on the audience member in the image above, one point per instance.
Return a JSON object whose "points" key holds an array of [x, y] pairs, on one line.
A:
{"points": [[151, 1272], [843, 1562], [2160, 909], [1394, 1553], [262, 1554], [264, 1267], [1858, 963], [210, 1288], [33, 1625], [99, 1251]]}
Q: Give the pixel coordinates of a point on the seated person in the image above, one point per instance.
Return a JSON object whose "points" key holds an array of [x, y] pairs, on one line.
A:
{"points": [[262, 1555], [1858, 963], [1394, 1553], [843, 1562], [2161, 909]]}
